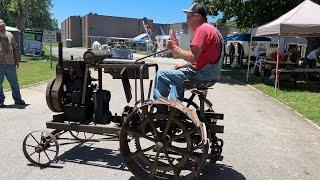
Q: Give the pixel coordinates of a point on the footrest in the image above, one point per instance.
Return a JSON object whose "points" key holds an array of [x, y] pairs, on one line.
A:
{"points": [[210, 115], [220, 158], [217, 129]]}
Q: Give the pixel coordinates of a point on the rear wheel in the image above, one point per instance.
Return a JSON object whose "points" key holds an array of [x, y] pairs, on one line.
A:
{"points": [[216, 144], [164, 139]]}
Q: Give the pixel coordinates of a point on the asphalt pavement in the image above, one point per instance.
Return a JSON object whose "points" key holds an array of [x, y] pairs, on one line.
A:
{"points": [[263, 138]]}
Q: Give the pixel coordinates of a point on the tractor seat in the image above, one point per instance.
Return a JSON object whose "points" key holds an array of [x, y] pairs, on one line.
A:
{"points": [[187, 84]]}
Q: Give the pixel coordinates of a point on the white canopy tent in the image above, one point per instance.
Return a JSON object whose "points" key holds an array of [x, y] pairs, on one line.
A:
{"points": [[303, 20], [12, 29]]}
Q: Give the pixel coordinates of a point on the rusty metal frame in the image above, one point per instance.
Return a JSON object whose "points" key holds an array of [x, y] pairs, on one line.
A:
{"points": [[99, 67], [98, 129]]}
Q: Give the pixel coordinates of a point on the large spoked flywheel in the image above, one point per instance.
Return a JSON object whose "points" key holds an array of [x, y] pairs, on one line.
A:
{"points": [[164, 139]]}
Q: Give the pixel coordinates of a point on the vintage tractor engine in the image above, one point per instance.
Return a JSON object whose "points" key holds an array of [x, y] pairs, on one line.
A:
{"points": [[69, 85], [74, 93]]}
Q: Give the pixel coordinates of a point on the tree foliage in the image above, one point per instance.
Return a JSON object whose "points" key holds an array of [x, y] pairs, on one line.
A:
{"points": [[250, 13], [28, 13]]}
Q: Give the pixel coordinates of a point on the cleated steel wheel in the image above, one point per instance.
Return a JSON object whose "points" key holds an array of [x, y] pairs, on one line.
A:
{"points": [[164, 139], [216, 144], [40, 148]]}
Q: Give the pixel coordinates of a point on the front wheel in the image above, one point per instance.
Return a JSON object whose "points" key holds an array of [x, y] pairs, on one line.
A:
{"points": [[40, 148]]}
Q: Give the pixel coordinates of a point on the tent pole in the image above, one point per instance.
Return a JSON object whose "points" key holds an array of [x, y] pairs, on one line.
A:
{"points": [[249, 58], [276, 83]]}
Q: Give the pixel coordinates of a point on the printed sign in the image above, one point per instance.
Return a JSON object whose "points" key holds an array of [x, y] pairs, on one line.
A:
{"points": [[50, 36], [32, 42]]}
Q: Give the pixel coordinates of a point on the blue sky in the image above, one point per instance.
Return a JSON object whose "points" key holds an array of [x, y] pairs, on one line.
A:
{"points": [[161, 11]]}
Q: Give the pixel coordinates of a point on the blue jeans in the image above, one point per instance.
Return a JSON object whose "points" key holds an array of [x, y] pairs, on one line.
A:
{"points": [[10, 72], [169, 82]]}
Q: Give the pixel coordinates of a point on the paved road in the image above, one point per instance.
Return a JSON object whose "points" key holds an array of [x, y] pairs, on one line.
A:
{"points": [[263, 140]]}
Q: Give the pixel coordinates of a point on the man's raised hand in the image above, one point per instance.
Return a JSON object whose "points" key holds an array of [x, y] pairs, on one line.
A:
{"points": [[173, 36]]}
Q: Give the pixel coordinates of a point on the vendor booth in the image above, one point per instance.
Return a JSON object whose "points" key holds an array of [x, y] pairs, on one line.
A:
{"points": [[303, 21]]}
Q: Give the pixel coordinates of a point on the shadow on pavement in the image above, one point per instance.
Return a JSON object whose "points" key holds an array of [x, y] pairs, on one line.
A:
{"points": [[216, 172], [87, 154], [221, 171], [228, 80], [13, 106]]}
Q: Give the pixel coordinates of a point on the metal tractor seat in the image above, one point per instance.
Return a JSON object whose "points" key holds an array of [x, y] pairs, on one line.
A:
{"points": [[187, 85], [199, 89]]}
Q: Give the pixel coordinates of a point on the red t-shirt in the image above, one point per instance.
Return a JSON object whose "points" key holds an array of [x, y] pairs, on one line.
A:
{"points": [[208, 38]]}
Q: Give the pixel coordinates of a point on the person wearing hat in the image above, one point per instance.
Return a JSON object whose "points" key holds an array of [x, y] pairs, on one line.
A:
{"points": [[203, 60], [8, 64]]}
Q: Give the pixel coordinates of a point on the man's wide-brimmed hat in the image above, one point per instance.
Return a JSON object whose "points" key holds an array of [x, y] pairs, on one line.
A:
{"points": [[197, 8], [2, 22]]}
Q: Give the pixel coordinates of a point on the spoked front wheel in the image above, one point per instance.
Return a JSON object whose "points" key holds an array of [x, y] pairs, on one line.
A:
{"points": [[40, 148]]}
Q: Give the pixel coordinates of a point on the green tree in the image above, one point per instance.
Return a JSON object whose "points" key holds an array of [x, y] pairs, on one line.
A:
{"points": [[254, 13], [250, 13], [6, 12], [28, 13]]}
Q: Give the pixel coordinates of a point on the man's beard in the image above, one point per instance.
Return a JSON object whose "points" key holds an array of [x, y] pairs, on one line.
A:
{"points": [[2, 34]]}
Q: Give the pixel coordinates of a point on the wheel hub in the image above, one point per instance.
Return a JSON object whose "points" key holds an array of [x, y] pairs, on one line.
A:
{"points": [[159, 146], [39, 148]]}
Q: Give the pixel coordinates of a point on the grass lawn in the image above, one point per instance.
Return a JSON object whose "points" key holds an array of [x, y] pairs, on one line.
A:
{"points": [[300, 99], [33, 71]]}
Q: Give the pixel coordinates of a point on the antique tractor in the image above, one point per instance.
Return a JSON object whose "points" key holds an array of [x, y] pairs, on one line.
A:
{"points": [[158, 138]]}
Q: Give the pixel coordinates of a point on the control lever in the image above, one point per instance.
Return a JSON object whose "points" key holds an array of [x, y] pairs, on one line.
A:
{"points": [[151, 55]]}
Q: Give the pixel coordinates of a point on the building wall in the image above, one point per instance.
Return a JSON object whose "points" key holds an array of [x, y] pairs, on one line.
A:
{"points": [[161, 29], [63, 31], [93, 27], [99, 28], [180, 27], [71, 28], [76, 30], [85, 32]]}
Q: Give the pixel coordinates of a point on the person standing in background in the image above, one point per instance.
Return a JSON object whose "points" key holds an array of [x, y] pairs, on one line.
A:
{"points": [[9, 62], [240, 53], [231, 52]]}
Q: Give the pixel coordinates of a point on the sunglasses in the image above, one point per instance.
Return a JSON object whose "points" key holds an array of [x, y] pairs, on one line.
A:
{"points": [[191, 14]]}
